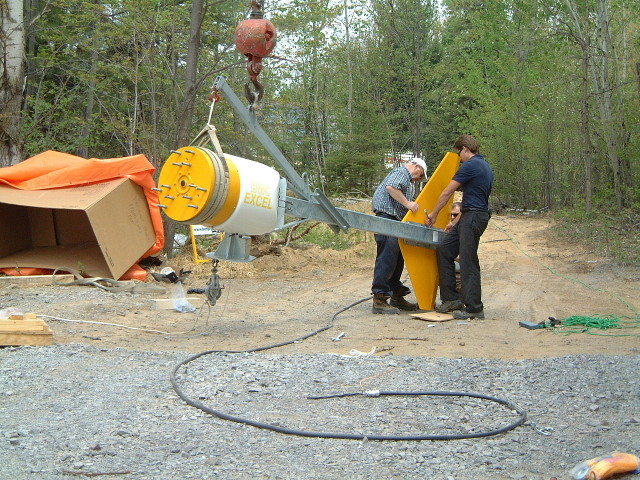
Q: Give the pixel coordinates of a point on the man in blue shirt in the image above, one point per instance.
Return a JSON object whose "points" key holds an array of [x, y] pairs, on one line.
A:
{"points": [[475, 179], [393, 198]]}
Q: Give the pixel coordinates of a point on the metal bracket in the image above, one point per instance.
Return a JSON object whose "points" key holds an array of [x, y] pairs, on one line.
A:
{"points": [[338, 223], [234, 248]]}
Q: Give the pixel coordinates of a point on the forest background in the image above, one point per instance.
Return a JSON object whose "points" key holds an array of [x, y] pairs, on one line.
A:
{"points": [[551, 88]]}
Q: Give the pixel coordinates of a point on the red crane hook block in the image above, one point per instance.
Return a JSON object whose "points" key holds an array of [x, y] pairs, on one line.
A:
{"points": [[255, 37]]}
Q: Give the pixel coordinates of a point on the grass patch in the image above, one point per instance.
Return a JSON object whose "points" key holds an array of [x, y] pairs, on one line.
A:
{"points": [[617, 237], [324, 237]]}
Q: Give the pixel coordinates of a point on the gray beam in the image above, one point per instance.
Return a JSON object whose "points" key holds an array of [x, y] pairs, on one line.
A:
{"points": [[315, 205], [296, 182], [413, 233]]}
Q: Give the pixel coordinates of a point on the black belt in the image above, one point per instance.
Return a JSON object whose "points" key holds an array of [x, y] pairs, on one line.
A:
{"points": [[385, 215], [463, 210]]}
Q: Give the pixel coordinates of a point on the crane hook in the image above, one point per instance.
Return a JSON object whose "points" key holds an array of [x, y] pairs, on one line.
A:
{"points": [[256, 39]]}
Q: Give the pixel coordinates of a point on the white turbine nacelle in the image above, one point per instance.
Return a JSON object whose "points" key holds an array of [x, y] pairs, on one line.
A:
{"points": [[231, 194]]}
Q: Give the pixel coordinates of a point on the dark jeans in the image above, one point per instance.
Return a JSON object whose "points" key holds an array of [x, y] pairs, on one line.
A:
{"points": [[389, 265], [462, 241]]}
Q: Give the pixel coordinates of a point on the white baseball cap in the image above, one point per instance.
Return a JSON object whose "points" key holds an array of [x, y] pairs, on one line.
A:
{"points": [[419, 161]]}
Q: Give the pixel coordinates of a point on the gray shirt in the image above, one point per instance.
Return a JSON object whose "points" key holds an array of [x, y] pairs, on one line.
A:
{"points": [[399, 178]]}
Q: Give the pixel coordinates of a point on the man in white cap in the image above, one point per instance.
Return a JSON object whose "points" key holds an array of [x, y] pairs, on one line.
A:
{"points": [[393, 198]]}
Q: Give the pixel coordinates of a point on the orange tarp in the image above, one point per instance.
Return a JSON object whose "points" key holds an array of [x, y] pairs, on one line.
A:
{"points": [[52, 169]]}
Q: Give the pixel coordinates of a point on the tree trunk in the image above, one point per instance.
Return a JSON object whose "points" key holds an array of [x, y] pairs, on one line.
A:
{"points": [[31, 10], [12, 74], [185, 114], [586, 131], [417, 141], [83, 151], [582, 36], [320, 153], [547, 190], [349, 70], [603, 87], [184, 119]]}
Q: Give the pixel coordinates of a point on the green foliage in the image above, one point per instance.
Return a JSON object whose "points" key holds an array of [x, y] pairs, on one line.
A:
{"points": [[357, 165], [126, 60], [108, 78]]}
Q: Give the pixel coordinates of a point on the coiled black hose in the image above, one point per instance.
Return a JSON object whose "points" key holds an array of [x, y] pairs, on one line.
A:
{"points": [[345, 436]]}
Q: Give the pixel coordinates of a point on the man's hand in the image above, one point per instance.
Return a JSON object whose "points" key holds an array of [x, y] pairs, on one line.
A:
{"points": [[413, 206], [442, 201], [431, 219]]}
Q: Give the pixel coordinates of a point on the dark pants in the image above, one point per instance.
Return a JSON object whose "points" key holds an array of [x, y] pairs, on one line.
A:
{"points": [[389, 265], [462, 241]]}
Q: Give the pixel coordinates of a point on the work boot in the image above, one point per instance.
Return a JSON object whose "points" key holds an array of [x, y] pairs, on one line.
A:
{"points": [[464, 315], [450, 306], [402, 304], [380, 305], [401, 292]]}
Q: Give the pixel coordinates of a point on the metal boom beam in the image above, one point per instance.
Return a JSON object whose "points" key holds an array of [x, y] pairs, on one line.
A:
{"points": [[314, 205]]}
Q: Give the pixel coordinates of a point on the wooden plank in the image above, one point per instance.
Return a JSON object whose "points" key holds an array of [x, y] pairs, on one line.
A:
{"points": [[22, 339], [19, 316], [23, 327], [34, 321], [27, 323], [433, 316], [167, 303], [35, 279]]}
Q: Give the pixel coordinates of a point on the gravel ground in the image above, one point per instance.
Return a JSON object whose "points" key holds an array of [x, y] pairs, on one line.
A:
{"points": [[76, 410]]}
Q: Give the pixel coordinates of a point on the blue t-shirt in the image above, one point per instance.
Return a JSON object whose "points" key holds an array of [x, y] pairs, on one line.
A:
{"points": [[476, 178]]}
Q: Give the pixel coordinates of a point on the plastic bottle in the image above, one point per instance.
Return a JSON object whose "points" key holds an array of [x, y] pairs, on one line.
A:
{"points": [[180, 303]]}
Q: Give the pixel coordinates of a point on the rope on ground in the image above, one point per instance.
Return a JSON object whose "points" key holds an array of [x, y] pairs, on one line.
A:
{"points": [[586, 324], [119, 325], [113, 286]]}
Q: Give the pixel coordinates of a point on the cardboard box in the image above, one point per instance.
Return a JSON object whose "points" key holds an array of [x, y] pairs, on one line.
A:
{"points": [[100, 230]]}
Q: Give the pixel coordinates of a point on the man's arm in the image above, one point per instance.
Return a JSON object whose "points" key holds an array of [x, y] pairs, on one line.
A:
{"points": [[399, 197], [452, 223], [442, 201]]}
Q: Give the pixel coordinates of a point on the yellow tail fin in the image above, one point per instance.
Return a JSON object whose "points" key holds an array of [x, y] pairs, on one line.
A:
{"points": [[422, 262]]}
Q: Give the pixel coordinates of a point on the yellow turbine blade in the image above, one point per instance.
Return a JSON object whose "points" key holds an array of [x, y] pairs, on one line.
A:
{"points": [[422, 262]]}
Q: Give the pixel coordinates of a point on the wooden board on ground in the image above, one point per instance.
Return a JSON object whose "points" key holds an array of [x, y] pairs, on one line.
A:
{"points": [[168, 303], [20, 330], [433, 316], [35, 279]]}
